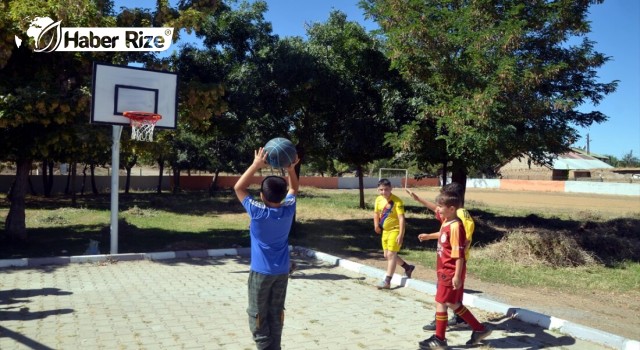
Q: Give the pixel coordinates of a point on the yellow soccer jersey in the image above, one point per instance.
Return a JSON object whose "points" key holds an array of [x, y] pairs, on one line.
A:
{"points": [[389, 211], [469, 227]]}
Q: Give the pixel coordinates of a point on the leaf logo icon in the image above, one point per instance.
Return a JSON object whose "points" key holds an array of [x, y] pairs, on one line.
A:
{"points": [[46, 33]]}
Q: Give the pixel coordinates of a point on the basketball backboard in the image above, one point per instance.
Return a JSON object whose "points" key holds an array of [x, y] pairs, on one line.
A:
{"points": [[117, 89]]}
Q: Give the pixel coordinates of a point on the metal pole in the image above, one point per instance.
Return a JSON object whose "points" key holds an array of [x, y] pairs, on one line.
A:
{"points": [[115, 185]]}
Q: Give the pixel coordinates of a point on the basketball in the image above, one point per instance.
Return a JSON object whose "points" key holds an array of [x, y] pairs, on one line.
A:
{"points": [[280, 152]]}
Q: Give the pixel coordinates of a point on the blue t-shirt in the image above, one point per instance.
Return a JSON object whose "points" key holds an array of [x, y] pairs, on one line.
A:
{"points": [[269, 230]]}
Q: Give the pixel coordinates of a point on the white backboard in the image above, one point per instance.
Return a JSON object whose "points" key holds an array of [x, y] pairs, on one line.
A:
{"points": [[117, 89]]}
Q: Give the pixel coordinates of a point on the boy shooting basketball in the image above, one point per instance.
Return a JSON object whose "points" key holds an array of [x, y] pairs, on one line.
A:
{"points": [[388, 220], [451, 272], [271, 219]]}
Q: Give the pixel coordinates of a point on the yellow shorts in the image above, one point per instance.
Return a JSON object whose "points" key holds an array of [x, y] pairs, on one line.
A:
{"points": [[389, 240]]}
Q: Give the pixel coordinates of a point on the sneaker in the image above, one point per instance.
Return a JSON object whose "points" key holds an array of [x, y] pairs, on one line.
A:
{"points": [[453, 322], [477, 336], [409, 270], [433, 343], [384, 285]]}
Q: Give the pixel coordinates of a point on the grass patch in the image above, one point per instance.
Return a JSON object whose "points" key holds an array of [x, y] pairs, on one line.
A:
{"points": [[566, 250]]}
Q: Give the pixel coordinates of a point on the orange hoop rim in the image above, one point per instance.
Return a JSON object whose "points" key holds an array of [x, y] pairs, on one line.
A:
{"points": [[142, 116]]}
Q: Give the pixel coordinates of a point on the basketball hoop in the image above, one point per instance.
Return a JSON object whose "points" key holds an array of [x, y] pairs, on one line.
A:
{"points": [[142, 124]]}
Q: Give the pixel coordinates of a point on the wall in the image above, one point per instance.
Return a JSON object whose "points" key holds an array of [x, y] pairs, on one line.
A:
{"points": [[201, 183], [608, 188], [103, 183]]}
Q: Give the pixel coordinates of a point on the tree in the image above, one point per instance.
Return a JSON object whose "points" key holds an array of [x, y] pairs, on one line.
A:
{"points": [[629, 160], [364, 92], [44, 97], [41, 95], [500, 78]]}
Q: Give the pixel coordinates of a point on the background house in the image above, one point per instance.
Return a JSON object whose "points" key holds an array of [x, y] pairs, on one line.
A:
{"points": [[573, 165]]}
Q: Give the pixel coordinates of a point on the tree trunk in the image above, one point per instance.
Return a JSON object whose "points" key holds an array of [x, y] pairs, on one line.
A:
{"points": [[445, 170], [74, 199], [161, 170], [127, 182], [176, 179], [84, 179], [15, 226], [67, 188], [459, 176], [94, 187], [361, 185], [214, 183]]}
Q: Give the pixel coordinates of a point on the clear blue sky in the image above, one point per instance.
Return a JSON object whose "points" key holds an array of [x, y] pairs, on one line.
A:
{"points": [[615, 27]]}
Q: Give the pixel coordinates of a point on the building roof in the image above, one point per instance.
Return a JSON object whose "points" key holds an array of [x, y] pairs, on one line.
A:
{"points": [[578, 161]]}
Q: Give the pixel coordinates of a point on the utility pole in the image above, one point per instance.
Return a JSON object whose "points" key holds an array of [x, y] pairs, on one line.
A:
{"points": [[588, 140]]}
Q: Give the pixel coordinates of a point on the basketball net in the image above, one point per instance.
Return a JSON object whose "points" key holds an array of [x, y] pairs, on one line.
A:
{"points": [[142, 124]]}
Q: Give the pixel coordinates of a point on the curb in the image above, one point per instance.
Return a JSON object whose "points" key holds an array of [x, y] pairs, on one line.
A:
{"points": [[80, 259], [524, 315]]}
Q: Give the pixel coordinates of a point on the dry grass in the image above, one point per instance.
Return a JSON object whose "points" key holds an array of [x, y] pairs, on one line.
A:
{"points": [[539, 247]]}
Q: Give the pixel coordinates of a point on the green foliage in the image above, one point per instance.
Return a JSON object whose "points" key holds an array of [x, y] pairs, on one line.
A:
{"points": [[498, 77], [629, 160]]}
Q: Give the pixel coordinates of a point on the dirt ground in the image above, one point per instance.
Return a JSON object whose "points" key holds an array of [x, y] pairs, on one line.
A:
{"points": [[611, 312]]}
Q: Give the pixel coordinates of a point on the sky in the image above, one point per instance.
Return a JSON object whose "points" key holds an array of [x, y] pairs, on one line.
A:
{"points": [[615, 27]]}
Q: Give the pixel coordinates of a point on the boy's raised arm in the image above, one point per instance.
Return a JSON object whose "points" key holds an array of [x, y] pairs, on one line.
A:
{"points": [[430, 205], [259, 162], [294, 182]]}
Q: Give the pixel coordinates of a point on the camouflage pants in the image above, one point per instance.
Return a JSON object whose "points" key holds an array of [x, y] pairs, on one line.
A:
{"points": [[267, 294]]}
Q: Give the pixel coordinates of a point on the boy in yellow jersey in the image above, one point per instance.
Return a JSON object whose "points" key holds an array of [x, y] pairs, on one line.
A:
{"points": [[469, 227], [388, 220]]}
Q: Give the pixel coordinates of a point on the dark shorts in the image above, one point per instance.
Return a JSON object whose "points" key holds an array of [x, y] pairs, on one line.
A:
{"points": [[267, 295]]}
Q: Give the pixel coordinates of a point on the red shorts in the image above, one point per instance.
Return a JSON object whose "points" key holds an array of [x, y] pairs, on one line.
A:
{"points": [[446, 294]]}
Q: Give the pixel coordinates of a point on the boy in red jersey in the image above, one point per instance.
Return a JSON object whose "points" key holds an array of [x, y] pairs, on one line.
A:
{"points": [[451, 272], [469, 226]]}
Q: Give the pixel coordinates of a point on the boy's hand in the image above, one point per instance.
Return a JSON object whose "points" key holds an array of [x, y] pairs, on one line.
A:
{"points": [[260, 158], [456, 282], [422, 237], [377, 229], [413, 195], [292, 166]]}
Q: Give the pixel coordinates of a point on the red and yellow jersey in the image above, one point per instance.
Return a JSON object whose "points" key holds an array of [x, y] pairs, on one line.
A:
{"points": [[388, 210], [469, 228], [452, 243]]}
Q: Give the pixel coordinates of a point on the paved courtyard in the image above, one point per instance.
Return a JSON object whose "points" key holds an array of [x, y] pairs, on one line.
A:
{"points": [[199, 303]]}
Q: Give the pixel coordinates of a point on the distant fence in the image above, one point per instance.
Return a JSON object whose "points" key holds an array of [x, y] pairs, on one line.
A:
{"points": [[103, 183], [202, 183], [611, 188]]}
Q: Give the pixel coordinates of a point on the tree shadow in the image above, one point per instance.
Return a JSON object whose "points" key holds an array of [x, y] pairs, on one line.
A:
{"points": [[19, 338], [22, 313], [522, 335], [304, 267]]}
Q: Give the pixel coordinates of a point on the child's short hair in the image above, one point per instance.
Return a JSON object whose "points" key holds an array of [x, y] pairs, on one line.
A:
{"points": [[449, 199], [274, 189], [384, 182], [453, 187]]}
